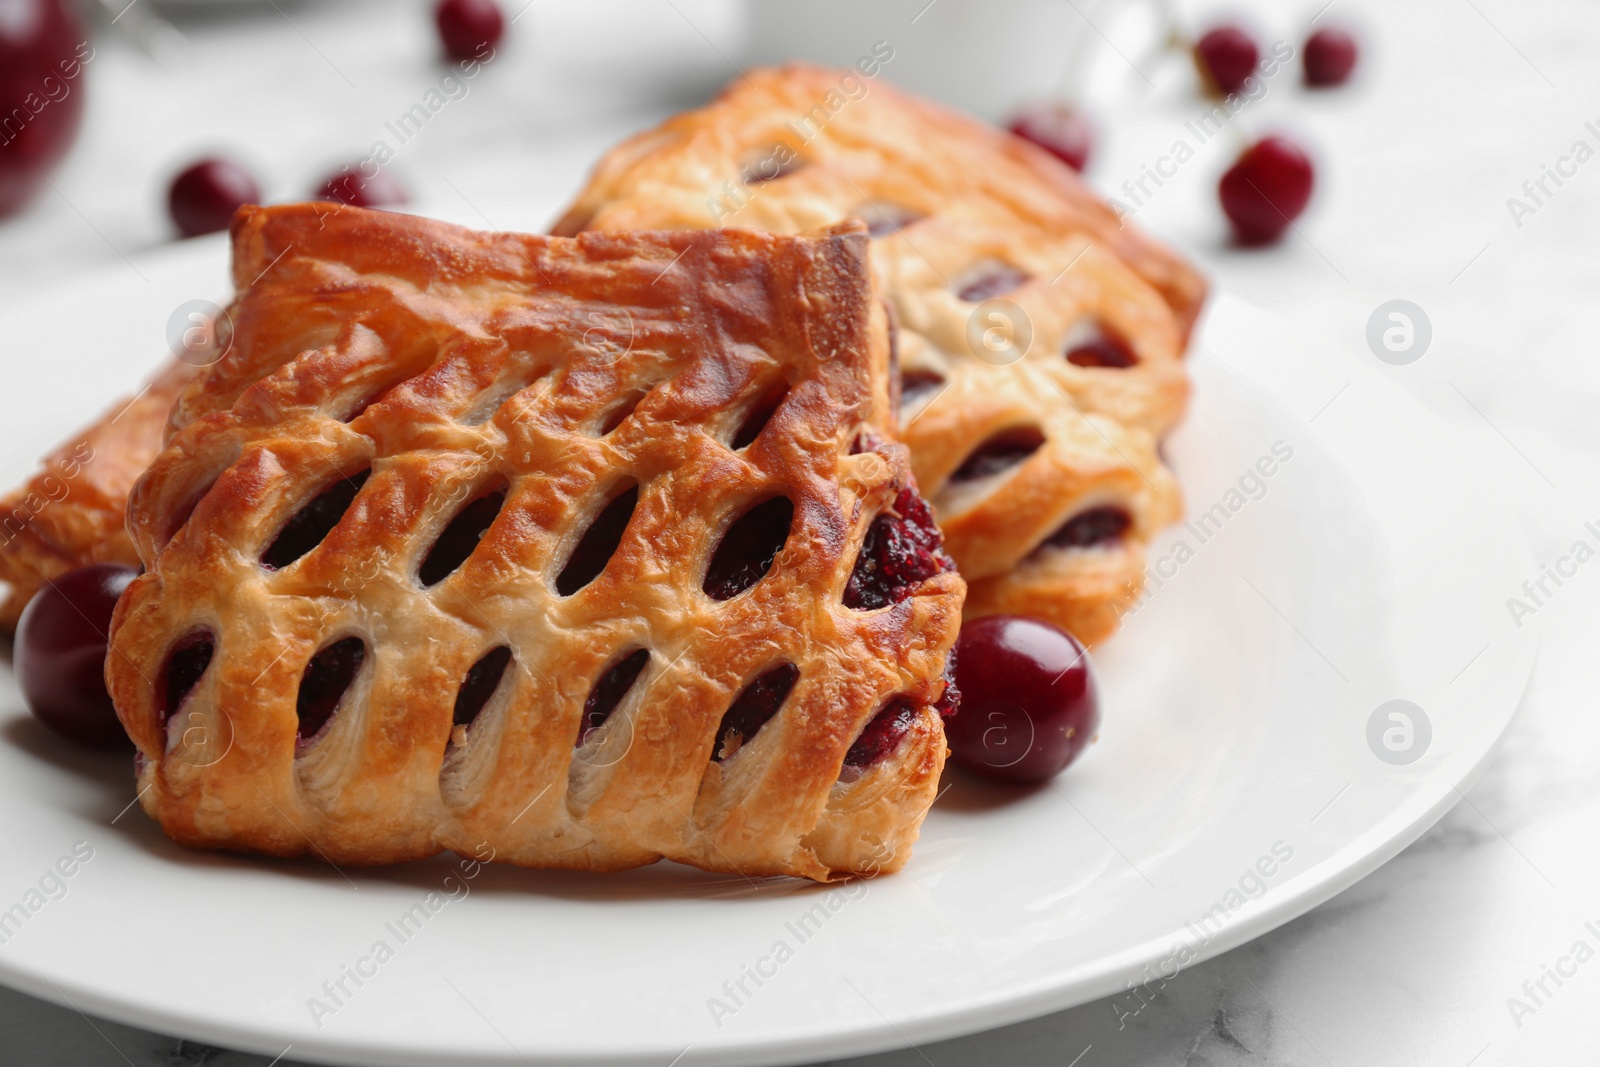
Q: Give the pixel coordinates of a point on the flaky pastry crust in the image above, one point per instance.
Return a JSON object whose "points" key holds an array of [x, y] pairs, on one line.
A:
{"points": [[435, 366], [998, 262], [72, 512]]}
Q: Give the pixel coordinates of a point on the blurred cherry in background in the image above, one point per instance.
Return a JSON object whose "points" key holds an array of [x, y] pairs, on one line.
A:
{"points": [[469, 29], [43, 51], [1226, 58], [1266, 190], [203, 198], [1330, 56], [354, 186], [1060, 129]]}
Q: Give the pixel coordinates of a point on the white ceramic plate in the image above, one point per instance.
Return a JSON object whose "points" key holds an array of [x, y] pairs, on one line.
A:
{"points": [[1232, 789]]}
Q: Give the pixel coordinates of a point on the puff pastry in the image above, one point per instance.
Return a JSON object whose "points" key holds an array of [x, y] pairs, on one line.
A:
{"points": [[71, 513], [1040, 339], [690, 606]]}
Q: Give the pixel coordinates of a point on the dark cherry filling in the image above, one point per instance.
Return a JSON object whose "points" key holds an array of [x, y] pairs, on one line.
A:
{"points": [[365, 403], [186, 665], [329, 674], [598, 544], [748, 548], [997, 279], [949, 701], [915, 384], [884, 219], [1102, 350], [1092, 527], [755, 704], [865, 441], [1001, 451], [902, 550], [759, 416], [609, 691], [183, 514], [768, 169], [620, 413], [882, 734], [483, 678], [460, 538], [307, 527], [893, 325]]}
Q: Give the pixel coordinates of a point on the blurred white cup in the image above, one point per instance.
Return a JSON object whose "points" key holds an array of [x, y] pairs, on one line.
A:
{"points": [[984, 57]]}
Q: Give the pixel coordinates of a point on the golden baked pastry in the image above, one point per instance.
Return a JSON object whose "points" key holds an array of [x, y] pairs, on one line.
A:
{"points": [[70, 514], [1040, 339], [585, 552]]}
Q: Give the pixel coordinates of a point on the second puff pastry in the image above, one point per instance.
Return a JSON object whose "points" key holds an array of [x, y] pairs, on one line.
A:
{"points": [[1039, 339]]}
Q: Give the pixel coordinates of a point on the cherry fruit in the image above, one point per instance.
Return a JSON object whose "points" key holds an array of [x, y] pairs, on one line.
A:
{"points": [[1226, 58], [1265, 190], [350, 186], [203, 198], [43, 50], [1060, 129], [1029, 700], [469, 28], [1330, 56], [61, 654]]}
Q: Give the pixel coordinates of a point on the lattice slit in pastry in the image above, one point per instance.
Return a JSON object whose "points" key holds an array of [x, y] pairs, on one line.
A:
{"points": [[461, 535], [599, 540]]}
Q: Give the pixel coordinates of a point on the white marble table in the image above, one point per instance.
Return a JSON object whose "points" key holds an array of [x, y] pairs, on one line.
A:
{"points": [[1460, 102]]}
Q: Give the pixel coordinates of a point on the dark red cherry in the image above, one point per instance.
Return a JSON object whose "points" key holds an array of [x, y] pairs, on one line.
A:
{"points": [[1266, 190], [1226, 58], [1060, 129], [469, 28], [1330, 56], [61, 654], [44, 50], [355, 187], [203, 198], [1029, 700]]}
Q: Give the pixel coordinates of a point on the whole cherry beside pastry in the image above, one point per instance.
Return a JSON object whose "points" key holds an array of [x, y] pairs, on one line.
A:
{"points": [[61, 652], [1029, 699], [1266, 190]]}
